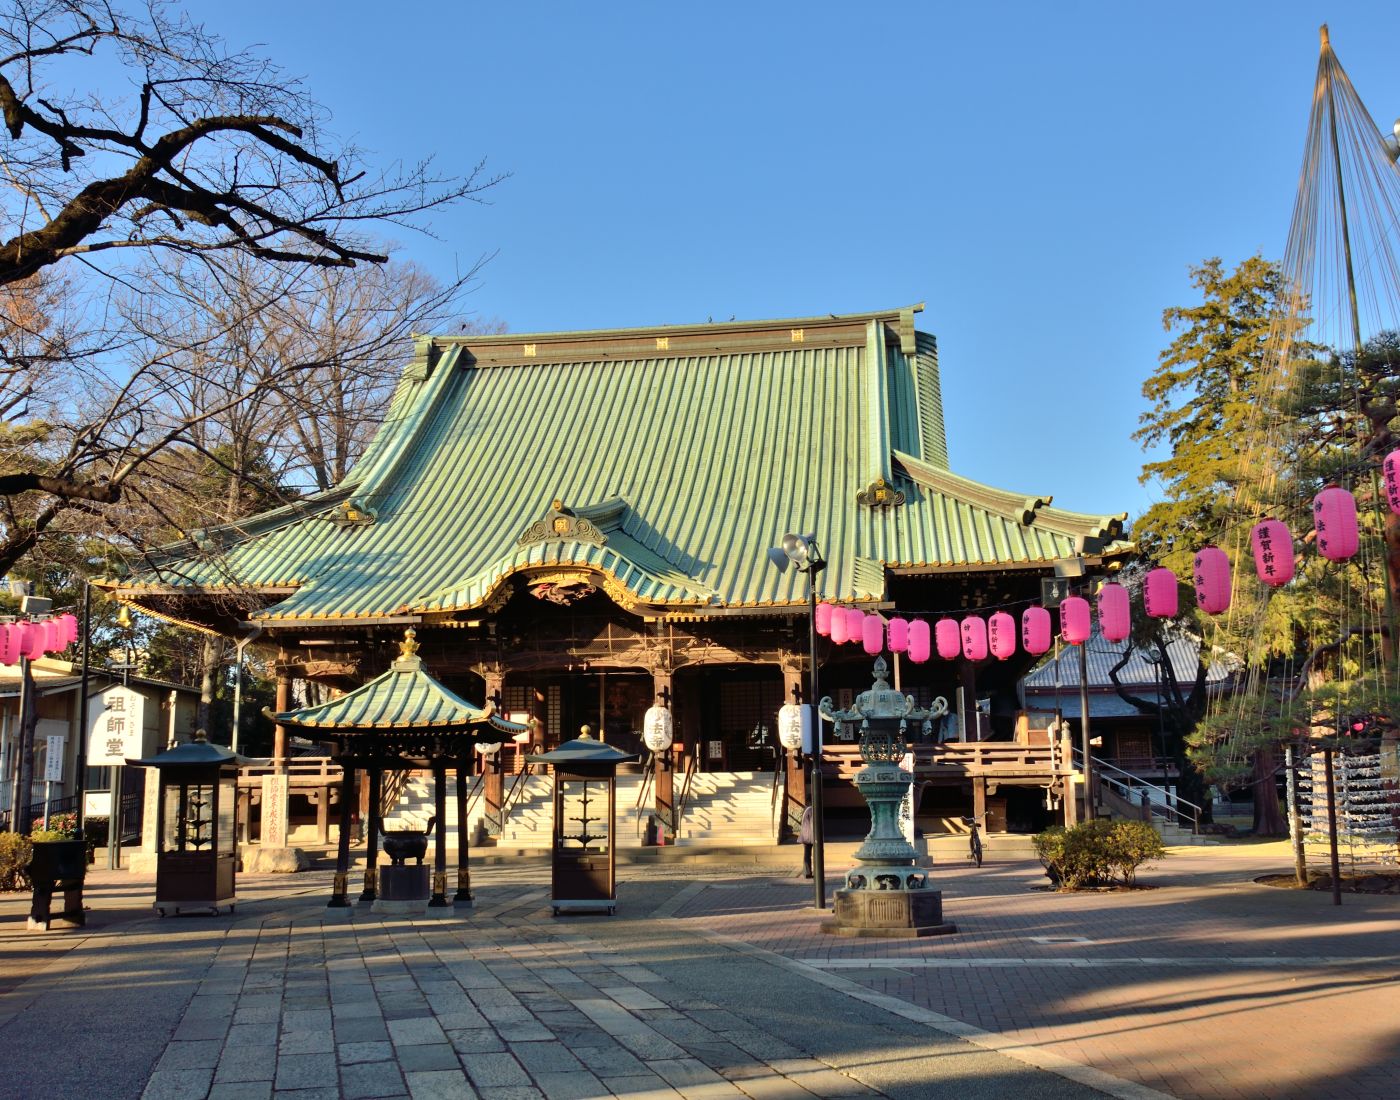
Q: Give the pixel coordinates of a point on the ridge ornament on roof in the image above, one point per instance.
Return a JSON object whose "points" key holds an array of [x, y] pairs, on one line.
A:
{"points": [[880, 494], [561, 524]]}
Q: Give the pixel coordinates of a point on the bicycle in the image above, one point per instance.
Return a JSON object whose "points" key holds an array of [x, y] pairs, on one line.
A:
{"points": [[974, 839]]}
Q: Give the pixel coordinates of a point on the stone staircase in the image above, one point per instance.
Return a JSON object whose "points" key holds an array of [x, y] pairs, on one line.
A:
{"points": [[730, 808]]}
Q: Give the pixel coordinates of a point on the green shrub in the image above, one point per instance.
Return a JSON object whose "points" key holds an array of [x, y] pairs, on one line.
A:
{"points": [[1132, 844], [1097, 853], [14, 861]]}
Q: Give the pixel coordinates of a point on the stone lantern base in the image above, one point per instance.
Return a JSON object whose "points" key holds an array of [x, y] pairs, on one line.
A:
{"points": [[896, 914]]}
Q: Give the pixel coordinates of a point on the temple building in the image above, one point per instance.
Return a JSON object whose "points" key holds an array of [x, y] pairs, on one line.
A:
{"points": [[576, 524]]}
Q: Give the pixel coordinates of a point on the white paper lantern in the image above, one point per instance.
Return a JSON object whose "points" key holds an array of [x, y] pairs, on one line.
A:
{"points": [[793, 723], [656, 729]]}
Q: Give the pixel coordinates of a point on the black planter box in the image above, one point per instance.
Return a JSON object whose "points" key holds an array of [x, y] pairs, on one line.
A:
{"points": [[57, 865]]}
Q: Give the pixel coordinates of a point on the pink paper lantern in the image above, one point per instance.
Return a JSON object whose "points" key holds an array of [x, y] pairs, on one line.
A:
{"points": [[899, 635], [1035, 630], [1273, 552], [1391, 471], [1334, 518], [9, 644], [948, 639], [873, 634], [1001, 636], [1115, 616], [855, 625], [839, 631], [1160, 594], [974, 638], [918, 641], [1211, 572], [53, 635], [1075, 620], [822, 622], [31, 643]]}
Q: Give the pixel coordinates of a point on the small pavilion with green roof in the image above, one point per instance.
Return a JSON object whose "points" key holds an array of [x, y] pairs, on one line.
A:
{"points": [[400, 720], [576, 525]]}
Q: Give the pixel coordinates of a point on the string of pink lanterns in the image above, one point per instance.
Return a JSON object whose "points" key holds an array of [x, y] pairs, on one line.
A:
{"points": [[973, 637], [33, 639]]}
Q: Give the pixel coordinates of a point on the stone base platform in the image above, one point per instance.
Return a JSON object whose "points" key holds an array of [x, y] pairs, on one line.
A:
{"points": [[893, 914]]}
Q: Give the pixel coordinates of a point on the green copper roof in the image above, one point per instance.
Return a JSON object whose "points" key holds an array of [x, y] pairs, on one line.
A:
{"points": [[404, 697], [679, 455]]}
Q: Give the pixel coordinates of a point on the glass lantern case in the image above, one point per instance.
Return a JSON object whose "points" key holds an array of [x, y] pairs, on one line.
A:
{"points": [[197, 827], [584, 859]]}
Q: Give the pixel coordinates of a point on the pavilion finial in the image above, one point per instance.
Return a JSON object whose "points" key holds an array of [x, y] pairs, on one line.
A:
{"points": [[408, 648]]}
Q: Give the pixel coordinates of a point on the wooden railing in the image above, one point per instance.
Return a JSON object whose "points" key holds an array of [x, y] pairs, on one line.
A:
{"points": [[961, 758]]}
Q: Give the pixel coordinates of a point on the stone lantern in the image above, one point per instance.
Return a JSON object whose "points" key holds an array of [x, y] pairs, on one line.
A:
{"points": [[887, 894]]}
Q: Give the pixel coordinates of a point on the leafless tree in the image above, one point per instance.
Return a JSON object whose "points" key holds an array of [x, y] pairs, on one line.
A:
{"points": [[205, 189]]}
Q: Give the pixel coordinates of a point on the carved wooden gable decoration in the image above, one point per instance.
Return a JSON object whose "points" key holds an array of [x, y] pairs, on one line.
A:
{"points": [[560, 524]]}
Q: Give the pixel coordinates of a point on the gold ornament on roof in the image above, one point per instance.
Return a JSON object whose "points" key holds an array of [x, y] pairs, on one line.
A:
{"points": [[409, 646]]}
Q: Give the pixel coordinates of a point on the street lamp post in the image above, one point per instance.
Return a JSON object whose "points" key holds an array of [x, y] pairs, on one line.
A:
{"points": [[801, 551]]}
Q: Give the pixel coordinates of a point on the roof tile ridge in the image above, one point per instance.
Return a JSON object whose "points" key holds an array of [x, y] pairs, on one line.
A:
{"points": [[1014, 505], [376, 477]]}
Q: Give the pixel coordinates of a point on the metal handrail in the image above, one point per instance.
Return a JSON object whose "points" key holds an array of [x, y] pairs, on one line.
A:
{"points": [[391, 788], [1135, 791], [513, 796], [691, 766], [648, 776], [777, 798]]}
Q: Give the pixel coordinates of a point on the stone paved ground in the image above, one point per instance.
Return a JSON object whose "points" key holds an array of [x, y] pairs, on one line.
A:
{"points": [[1204, 986], [715, 981]]}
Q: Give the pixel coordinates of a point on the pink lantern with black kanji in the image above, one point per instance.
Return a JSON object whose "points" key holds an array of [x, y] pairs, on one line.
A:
{"points": [[1115, 616], [1001, 636], [899, 635], [1334, 519], [918, 641], [1075, 620], [1160, 594], [1273, 551], [9, 643], [1390, 471], [948, 639], [1211, 572], [873, 634], [1035, 630], [839, 632], [974, 638], [822, 622]]}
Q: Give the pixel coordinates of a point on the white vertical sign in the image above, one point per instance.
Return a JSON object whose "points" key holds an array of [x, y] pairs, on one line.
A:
{"points": [[117, 727], [53, 758]]}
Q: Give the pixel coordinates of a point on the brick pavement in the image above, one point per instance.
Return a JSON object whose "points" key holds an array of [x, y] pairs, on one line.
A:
{"points": [[1204, 986], [716, 982], [287, 999]]}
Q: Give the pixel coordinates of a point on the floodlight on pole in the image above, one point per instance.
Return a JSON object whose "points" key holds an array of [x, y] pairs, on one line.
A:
{"points": [[802, 552]]}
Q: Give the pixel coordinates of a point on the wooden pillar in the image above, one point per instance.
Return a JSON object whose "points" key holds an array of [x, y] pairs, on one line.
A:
{"points": [[493, 783], [797, 778], [463, 896], [493, 789], [665, 771], [321, 798], [341, 888], [376, 784], [979, 799], [967, 680], [284, 704], [1068, 796], [439, 898]]}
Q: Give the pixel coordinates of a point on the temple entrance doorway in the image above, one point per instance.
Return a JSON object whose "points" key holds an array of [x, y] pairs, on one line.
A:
{"points": [[610, 703], [737, 713]]}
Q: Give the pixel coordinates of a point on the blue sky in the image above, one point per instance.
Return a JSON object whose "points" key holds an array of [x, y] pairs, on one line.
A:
{"points": [[1041, 175]]}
